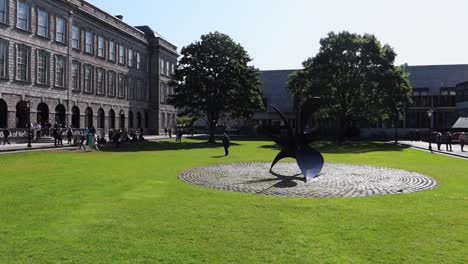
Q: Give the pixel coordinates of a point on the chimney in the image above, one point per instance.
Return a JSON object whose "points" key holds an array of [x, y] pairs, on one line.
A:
{"points": [[119, 17]]}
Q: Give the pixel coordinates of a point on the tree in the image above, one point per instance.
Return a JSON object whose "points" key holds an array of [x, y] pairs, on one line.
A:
{"points": [[213, 79], [355, 77]]}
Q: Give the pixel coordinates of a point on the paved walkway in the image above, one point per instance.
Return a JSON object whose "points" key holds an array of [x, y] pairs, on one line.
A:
{"points": [[48, 146], [425, 146]]}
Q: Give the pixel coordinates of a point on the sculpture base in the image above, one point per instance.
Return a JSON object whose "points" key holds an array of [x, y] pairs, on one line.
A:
{"points": [[336, 180]]}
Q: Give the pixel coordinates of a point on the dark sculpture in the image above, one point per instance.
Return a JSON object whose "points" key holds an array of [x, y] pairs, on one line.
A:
{"points": [[296, 144]]}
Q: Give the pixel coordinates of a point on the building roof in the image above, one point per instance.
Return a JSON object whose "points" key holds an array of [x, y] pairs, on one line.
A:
{"points": [[437, 76], [461, 123]]}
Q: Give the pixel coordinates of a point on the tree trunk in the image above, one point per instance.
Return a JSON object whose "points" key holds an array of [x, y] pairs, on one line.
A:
{"points": [[212, 139]]}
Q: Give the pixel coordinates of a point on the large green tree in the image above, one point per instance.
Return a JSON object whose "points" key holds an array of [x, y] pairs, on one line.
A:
{"points": [[213, 78], [355, 77]]}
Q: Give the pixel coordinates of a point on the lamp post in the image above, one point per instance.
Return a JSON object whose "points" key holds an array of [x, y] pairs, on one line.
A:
{"points": [[397, 120], [430, 114], [28, 109]]}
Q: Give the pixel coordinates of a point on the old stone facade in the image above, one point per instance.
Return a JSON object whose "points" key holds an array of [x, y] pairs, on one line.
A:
{"points": [[68, 62]]}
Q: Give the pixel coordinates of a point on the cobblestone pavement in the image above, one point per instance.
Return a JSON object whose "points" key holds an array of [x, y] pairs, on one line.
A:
{"points": [[337, 180]]}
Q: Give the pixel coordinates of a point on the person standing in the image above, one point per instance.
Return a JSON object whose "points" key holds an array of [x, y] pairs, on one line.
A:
{"points": [[462, 140], [6, 134], [439, 140], [170, 132], [448, 142], [69, 135], [226, 144]]}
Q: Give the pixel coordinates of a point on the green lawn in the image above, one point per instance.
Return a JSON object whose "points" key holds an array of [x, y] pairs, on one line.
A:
{"points": [[129, 206]]}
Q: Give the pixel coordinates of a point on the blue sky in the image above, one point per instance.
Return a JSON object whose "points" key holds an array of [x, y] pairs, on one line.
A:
{"points": [[280, 34]]}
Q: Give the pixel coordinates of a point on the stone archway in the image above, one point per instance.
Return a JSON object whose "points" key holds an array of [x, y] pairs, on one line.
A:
{"points": [[3, 114], [101, 118], [42, 114], [130, 120], [139, 123], [122, 119], [60, 115], [89, 117], [112, 119], [75, 119], [22, 114]]}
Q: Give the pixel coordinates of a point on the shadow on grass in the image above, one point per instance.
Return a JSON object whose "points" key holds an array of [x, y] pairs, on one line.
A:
{"points": [[349, 147], [161, 146]]}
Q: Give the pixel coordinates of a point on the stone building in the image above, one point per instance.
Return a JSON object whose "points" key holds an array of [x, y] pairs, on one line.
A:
{"points": [[71, 63]]}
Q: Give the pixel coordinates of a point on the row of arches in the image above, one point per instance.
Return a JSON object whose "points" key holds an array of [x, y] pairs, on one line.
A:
{"points": [[43, 116]]}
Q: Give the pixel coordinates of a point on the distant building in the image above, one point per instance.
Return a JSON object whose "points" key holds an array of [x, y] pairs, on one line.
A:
{"points": [[442, 88], [71, 63]]}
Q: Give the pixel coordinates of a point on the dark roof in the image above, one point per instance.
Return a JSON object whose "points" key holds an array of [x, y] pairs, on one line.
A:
{"points": [[437, 76]]}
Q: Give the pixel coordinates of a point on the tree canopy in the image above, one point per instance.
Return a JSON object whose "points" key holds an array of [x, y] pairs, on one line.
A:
{"points": [[356, 79], [213, 78]]}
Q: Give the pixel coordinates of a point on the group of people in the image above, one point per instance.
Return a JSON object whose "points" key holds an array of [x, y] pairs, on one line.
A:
{"points": [[123, 135], [447, 139]]}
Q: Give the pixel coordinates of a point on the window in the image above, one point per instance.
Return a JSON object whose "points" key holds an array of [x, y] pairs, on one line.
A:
{"points": [[161, 67], [59, 71], [172, 68], [162, 93], [126, 85], [111, 82], [132, 88], [3, 11], [23, 60], [138, 60], [23, 16], [101, 47], [75, 75], [42, 69], [100, 81], [88, 79], [130, 58], [121, 85], [89, 42], [112, 50], [3, 59], [76, 37], [60, 29], [42, 23], [121, 54], [167, 68]]}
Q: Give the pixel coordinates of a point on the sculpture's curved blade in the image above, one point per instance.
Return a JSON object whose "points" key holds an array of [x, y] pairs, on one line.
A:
{"points": [[282, 155], [290, 131], [310, 161]]}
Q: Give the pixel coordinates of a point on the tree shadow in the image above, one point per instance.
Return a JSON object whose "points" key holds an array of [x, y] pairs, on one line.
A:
{"points": [[161, 146], [348, 147]]}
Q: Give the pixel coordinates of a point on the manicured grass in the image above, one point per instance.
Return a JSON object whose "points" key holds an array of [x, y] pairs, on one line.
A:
{"points": [[129, 206]]}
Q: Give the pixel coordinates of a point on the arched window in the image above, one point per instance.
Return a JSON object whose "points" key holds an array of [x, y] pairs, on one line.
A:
{"points": [[22, 114], [89, 117], [122, 119], [75, 117], [3, 114], [130, 119], [139, 120], [42, 114], [111, 119], [163, 121], [60, 115], [101, 118]]}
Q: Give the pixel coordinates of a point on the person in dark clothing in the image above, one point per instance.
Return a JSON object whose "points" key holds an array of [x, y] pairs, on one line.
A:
{"points": [[6, 134], [69, 135], [439, 139], [448, 142], [462, 139], [226, 144], [170, 132], [55, 135], [60, 137]]}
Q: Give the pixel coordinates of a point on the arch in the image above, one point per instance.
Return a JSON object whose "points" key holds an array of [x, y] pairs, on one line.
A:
{"points": [[122, 119], [60, 115], [3, 114], [42, 114], [22, 114], [111, 118], [101, 118], [130, 120], [89, 117], [75, 117], [139, 120]]}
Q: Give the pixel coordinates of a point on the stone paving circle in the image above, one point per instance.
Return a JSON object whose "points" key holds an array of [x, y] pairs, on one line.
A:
{"points": [[336, 180]]}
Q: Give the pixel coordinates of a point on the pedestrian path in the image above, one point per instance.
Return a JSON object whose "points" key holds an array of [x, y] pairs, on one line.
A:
{"points": [[456, 148], [23, 147]]}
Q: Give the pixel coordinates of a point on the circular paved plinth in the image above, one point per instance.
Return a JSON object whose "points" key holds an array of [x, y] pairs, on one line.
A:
{"points": [[337, 180]]}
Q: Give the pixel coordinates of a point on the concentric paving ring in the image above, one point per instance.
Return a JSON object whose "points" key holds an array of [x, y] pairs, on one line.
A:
{"points": [[337, 180]]}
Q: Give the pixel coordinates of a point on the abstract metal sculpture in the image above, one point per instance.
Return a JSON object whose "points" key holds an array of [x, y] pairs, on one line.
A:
{"points": [[296, 144]]}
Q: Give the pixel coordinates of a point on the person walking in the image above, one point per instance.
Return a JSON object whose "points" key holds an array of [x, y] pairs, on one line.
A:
{"points": [[439, 140], [170, 132], [69, 135], [462, 139], [448, 141], [82, 141], [6, 134], [226, 144], [55, 135]]}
